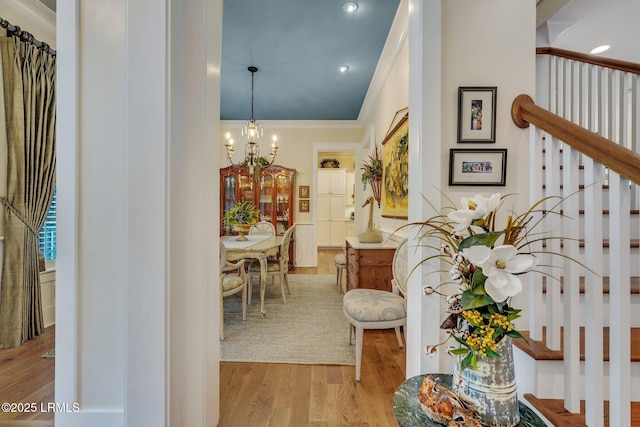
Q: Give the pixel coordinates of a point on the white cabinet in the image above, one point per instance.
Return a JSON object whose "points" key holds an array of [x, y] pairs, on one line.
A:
{"points": [[330, 209]]}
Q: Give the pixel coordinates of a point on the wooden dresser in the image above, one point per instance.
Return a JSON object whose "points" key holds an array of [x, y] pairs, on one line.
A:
{"points": [[369, 264]]}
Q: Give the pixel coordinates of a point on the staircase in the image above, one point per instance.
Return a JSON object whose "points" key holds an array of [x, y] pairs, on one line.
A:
{"points": [[581, 365]]}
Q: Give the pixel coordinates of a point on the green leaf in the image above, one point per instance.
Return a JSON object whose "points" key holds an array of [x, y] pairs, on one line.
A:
{"points": [[468, 361], [460, 340], [485, 239], [492, 354], [477, 282], [515, 334], [460, 351], [471, 300]]}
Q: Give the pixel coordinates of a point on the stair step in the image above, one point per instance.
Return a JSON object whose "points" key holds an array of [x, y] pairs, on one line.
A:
{"points": [[634, 283], [539, 351], [553, 410]]}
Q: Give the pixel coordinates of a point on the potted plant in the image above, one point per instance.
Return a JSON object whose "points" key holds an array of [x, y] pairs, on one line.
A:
{"points": [[372, 173], [240, 217]]}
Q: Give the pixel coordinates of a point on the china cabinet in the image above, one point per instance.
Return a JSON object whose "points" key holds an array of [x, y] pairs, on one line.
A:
{"points": [[273, 194]]}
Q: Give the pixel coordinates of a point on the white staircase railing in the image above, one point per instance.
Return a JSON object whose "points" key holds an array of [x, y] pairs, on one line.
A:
{"points": [[581, 163]]}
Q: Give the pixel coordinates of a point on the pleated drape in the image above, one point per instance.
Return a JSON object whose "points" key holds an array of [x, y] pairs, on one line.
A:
{"points": [[29, 98]]}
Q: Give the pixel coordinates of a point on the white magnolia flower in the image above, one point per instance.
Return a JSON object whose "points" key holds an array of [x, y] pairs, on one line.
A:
{"points": [[473, 208], [500, 265]]}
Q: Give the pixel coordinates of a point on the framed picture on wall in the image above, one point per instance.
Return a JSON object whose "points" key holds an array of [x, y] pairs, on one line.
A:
{"points": [[303, 206], [395, 168], [478, 167], [303, 192], [477, 114]]}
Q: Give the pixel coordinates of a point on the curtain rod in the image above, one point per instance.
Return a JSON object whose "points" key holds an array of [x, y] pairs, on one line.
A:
{"points": [[26, 36]]}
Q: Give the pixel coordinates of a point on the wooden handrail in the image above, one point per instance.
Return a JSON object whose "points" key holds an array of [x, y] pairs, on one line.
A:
{"points": [[625, 162], [614, 64]]}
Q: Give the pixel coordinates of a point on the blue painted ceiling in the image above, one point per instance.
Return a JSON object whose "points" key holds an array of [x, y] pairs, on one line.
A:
{"points": [[298, 46]]}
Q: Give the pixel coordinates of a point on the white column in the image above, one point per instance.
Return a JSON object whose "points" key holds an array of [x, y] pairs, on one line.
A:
{"points": [[138, 107], [425, 163]]}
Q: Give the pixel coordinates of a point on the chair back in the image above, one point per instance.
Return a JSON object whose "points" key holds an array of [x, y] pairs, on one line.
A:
{"points": [[284, 247], [264, 228], [399, 267], [223, 257]]}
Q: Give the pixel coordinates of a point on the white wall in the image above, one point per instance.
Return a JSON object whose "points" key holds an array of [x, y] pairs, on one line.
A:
{"points": [[489, 44]]}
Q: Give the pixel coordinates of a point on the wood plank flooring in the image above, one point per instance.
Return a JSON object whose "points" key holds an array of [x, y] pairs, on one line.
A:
{"points": [[251, 394], [261, 394], [26, 377]]}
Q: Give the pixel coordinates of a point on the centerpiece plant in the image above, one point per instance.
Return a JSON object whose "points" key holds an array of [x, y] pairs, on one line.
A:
{"points": [[243, 212]]}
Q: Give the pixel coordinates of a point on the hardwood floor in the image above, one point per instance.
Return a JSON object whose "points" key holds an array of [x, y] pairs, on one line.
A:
{"points": [[263, 394], [251, 394], [280, 395], [28, 378]]}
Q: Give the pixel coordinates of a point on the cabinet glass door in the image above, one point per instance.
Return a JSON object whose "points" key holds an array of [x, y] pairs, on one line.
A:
{"points": [[229, 191], [266, 198], [246, 189], [283, 191]]}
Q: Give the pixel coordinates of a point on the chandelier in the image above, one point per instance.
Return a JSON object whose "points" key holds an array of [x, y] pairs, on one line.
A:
{"points": [[253, 131]]}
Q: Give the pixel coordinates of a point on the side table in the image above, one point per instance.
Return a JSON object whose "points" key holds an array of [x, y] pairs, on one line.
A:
{"points": [[409, 413]]}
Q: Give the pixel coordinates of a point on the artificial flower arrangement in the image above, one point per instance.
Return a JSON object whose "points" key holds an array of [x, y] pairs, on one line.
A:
{"points": [[486, 265], [371, 168]]}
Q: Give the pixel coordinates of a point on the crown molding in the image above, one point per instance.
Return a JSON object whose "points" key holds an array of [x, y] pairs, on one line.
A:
{"points": [[397, 36], [298, 124], [35, 11]]}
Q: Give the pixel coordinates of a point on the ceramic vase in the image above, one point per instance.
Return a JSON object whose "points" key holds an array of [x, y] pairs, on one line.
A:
{"points": [[490, 389]]}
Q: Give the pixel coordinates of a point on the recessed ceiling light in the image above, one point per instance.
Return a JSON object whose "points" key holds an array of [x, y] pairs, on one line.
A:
{"points": [[350, 7], [600, 49], [343, 68]]}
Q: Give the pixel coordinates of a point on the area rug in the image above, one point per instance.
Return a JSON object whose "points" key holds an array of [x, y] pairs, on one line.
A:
{"points": [[51, 354], [309, 329]]}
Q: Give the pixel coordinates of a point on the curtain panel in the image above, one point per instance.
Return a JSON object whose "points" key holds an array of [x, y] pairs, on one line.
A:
{"points": [[29, 101]]}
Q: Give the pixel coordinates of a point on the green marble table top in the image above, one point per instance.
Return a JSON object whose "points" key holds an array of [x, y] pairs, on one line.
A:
{"points": [[409, 413]]}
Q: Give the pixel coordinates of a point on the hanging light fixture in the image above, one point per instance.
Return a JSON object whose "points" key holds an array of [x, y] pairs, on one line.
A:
{"points": [[253, 131]]}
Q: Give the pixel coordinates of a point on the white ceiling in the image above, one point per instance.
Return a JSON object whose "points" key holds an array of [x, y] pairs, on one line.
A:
{"points": [[585, 24]]}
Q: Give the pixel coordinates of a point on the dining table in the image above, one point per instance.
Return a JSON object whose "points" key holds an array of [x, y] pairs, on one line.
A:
{"points": [[256, 246]]}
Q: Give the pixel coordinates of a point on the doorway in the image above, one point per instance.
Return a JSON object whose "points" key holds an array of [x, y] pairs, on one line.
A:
{"points": [[334, 213]]}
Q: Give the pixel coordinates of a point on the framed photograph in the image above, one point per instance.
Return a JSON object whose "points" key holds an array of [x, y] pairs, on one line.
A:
{"points": [[303, 192], [303, 206], [395, 168], [477, 114], [477, 167]]}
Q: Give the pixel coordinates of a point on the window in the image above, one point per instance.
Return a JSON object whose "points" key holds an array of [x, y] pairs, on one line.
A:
{"points": [[48, 232]]}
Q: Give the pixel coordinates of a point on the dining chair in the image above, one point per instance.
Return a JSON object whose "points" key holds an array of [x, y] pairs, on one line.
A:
{"points": [[277, 267], [377, 309], [264, 228], [232, 281]]}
